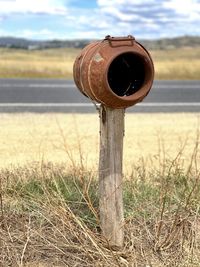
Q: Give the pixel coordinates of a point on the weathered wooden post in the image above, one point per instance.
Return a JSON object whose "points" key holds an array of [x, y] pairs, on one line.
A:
{"points": [[110, 174], [118, 73]]}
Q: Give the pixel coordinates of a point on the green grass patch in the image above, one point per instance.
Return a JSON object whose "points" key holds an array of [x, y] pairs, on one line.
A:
{"points": [[141, 198]]}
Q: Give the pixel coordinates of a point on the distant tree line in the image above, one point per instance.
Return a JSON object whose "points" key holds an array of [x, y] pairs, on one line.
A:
{"points": [[164, 43]]}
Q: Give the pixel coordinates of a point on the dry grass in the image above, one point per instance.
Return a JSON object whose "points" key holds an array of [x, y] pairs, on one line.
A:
{"points": [[73, 139], [177, 64], [49, 211], [57, 63], [47, 219], [49, 63]]}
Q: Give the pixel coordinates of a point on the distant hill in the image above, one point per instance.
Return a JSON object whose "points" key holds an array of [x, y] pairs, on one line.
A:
{"points": [[165, 43], [170, 43], [12, 42]]}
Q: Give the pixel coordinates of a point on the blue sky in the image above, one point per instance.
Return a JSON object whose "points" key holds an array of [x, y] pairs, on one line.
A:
{"points": [[69, 19]]}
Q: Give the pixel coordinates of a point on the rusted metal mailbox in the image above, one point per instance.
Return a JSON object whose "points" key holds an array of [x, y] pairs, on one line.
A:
{"points": [[117, 71]]}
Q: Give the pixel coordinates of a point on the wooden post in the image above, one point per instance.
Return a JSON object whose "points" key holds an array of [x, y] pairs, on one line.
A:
{"points": [[110, 175]]}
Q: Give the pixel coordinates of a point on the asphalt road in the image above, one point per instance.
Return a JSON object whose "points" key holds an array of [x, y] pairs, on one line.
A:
{"points": [[51, 95]]}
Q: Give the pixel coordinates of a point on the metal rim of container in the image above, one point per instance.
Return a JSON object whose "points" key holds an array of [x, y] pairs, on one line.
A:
{"points": [[140, 93]]}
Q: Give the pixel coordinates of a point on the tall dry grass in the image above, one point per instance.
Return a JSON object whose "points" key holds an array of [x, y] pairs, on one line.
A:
{"points": [[49, 212], [57, 63], [49, 217], [180, 64], [62, 138], [49, 63]]}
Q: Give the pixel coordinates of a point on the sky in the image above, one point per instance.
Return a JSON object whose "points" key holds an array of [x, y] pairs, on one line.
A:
{"points": [[94, 19]]}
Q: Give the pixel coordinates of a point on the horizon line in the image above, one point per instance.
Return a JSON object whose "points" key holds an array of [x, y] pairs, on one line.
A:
{"points": [[89, 39]]}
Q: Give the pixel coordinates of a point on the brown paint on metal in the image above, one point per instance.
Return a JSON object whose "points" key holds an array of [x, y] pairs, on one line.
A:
{"points": [[92, 65]]}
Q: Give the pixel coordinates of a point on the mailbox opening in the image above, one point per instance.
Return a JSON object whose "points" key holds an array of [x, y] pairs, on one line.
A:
{"points": [[126, 74]]}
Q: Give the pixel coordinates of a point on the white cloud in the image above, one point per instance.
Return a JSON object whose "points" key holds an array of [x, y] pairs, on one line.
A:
{"points": [[3, 33], [187, 7], [42, 34], [122, 2], [31, 34], [189, 11], [115, 11], [31, 6], [142, 18], [153, 17]]}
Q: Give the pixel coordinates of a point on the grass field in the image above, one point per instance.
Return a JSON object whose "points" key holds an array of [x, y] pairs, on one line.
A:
{"points": [[57, 63], [49, 212], [74, 139], [49, 63], [180, 64]]}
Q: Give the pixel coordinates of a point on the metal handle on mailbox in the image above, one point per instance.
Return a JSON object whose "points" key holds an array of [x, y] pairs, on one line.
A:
{"points": [[120, 39]]}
